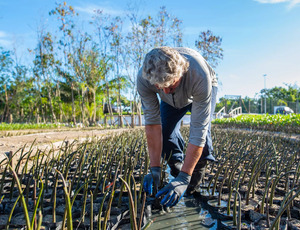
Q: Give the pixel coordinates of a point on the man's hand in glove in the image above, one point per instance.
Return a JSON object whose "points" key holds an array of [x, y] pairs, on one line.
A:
{"points": [[174, 191], [152, 180]]}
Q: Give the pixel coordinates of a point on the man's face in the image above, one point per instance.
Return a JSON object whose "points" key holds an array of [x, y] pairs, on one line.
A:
{"points": [[172, 87]]}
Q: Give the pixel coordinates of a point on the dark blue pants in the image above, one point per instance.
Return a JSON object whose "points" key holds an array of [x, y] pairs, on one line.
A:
{"points": [[173, 143]]}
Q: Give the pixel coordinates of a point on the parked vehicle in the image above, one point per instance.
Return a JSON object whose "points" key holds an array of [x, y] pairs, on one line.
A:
{"points": [[282, 110]]}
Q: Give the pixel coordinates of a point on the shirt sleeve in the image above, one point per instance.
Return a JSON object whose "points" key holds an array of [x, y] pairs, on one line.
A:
{"points": [[150, 102], [200, 116]]}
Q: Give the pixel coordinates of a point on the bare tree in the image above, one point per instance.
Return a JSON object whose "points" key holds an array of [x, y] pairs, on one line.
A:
{"points": [[209, 46]]}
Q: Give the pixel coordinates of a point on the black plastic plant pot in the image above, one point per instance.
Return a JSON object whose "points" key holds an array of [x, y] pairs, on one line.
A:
{"points": [[228, 224], [215, 206], [222, 215], [208, 194], [205, 185]]}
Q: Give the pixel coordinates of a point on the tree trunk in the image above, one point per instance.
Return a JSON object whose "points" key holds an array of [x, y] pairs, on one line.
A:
{"points": [[43, 115], [37, 115], [22, 114], [73, 106], [108, 103], [121, 124], [6, 113], [132, 115], [95, 106], [51, 106], [59, 102], [10, 120], [82, 106], [139, 106]]}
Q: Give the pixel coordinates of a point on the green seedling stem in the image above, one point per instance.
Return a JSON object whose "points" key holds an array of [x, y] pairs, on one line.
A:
{"points": [[231, 176], [81, 167], [284, 205], [53, 198], [16, 170], [134, 192], [99, 160], [252, 164], [91, 212], [29, 179], [20, 159], [267, 199], [132, 211], [253, 177], [288, 211], [107, 213], [84, 201], [22, 198], [24, 171], [297, 175], [149, 224], [222, 184], [101, 208], [33, 219], [109, 165], [11, 212], [77, 168], [100, 177], [3, 178], [122, 186], [144, 172], [48, 168], [68, 203], [237, 220], [216, 176], [77, 192], [99, 157], [267, 185], [36, 158], [34, 223], [275, 184], [40, 220], [235, 195], [142, 210], [41, 165]]}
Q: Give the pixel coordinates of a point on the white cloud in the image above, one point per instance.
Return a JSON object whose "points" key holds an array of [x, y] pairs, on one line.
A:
{"points": [[3, 34], [291, 3], [90, 9], [5, 43], [4, 39]]}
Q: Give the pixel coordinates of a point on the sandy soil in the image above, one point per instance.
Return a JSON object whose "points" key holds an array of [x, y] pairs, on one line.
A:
{"points": [[14, 140], [47, 138]]}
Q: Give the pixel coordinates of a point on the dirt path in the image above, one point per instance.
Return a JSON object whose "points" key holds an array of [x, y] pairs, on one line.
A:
{"points": [[14, 140], [47, 138]]}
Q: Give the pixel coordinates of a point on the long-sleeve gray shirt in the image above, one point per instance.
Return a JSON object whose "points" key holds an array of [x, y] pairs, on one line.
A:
{"points": [[195, 87]]}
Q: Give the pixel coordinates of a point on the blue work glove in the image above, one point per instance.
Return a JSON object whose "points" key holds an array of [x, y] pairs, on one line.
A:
{"points": [[174, 191], [152, 180]]}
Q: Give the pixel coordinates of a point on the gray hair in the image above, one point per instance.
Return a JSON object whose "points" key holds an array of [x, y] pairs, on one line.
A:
{"points": [[163, 65]]}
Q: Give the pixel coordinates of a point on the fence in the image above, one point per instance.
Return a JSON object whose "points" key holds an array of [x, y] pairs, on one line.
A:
{"points": [[257, 105]]}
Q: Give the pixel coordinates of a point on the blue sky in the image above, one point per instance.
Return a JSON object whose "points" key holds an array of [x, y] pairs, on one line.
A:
{"points": [[259, 36]]}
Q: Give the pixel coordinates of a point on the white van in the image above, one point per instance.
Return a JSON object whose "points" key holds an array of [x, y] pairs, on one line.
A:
{"points": [[282, 110]]}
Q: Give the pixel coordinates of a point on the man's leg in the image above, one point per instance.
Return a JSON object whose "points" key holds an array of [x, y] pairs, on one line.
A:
{"points": [[173, 143], [199, 170]]}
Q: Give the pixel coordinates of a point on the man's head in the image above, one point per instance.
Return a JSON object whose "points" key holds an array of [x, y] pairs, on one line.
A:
{"points": [[164, 67]]}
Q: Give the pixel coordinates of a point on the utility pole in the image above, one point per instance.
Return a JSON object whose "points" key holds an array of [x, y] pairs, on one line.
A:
{"points": [[265, 75], [297, 101]]}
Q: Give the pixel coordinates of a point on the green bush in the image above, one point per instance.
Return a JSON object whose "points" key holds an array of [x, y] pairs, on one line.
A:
{"points": [[281, 123]]}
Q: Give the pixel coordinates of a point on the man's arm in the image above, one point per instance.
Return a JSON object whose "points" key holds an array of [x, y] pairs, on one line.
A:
{"points": [[154, 140], [193, 154]]}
